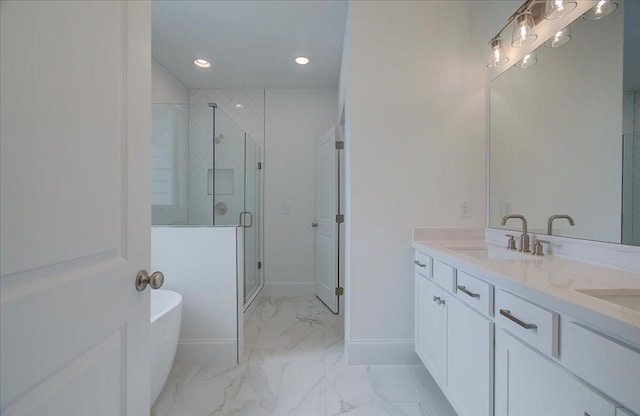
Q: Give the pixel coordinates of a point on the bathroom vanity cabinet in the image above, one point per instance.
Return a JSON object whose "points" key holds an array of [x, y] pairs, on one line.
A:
{"points": [[453, 340], [494, 351]]}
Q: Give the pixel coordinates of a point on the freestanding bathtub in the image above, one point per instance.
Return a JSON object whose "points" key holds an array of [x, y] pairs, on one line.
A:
{"points": [[166, 314]]}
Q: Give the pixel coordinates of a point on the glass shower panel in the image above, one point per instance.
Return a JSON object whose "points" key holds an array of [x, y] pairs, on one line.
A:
{"points": [[251, 219], [200, 162], [226, 178], [631, 189], [169, 162]]}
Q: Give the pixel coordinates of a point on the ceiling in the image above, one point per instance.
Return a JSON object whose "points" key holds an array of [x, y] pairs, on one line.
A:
{"points": [[250, 44]]}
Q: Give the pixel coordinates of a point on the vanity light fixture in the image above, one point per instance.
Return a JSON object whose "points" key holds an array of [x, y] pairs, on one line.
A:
{"points": [[523, 30], [201, 63], [601, 9], [497, 57], [529, 59], [302, 60], [556, 9], [560, 38]]}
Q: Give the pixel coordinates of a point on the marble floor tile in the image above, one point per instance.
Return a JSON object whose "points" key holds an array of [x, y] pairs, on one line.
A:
{"points": [[294, 365]]}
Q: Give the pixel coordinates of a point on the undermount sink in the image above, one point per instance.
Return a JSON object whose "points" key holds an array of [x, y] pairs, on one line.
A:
{"points": [[628, 298], [491, 253]]}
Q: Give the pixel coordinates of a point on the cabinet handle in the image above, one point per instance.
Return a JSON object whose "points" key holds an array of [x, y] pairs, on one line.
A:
{"points": [[436, 299], [464, 290], [417, 263], [507, 314]]}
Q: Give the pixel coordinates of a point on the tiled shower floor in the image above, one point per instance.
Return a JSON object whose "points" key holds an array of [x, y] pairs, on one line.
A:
{"points": [[294, 365]]}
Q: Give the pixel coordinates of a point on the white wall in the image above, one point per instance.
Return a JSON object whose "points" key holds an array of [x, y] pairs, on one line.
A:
{"points": [[165, 87], [415, 148], [200, 264], [294, 119]]}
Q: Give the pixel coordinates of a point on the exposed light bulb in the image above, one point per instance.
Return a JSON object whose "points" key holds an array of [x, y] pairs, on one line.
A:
{"points": [[601, 9], [496, 55], [556, 9], [529, 59], [523, 31]]}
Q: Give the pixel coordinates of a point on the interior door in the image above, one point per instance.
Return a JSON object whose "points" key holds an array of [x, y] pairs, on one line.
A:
{"points": [[326, 225], [75, 199]]}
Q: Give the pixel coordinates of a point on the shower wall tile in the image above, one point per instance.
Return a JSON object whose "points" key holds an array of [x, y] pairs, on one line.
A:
{"points": [[636, 171], [200, 161], [169, 133], [631, 169], [250, 117]]}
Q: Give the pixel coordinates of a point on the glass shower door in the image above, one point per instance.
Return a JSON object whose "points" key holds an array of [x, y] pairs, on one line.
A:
{"points": [[251, 220]]}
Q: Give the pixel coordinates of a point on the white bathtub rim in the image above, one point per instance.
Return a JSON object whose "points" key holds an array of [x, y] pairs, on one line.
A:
{"points": [[174, 300]]}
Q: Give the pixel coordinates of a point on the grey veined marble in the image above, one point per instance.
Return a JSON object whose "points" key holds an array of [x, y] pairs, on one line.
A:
{"points": [[295, 365]]}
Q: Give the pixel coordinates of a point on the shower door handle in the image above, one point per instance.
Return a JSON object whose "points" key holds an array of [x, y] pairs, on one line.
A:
{"points": [[250, 218]]}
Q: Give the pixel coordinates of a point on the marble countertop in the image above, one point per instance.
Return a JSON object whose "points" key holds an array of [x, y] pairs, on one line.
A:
{"points": [[551, 281]]}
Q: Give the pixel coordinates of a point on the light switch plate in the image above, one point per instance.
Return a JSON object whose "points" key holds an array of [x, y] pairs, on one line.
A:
{"points": [[465, 209]]}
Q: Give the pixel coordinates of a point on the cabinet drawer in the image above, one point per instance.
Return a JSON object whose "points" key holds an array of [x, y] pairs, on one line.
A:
{"points": [[444, 275], [475, 292], [608, 365], [533, 324], [422, 264]]}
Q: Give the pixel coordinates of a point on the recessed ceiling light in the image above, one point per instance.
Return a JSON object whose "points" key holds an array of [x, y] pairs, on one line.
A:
{"points": [[302, 60], [239, 106], [202, 63]]}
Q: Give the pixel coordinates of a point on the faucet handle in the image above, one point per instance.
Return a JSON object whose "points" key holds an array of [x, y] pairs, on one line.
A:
{"points": [[511, 244], [537, 247]]}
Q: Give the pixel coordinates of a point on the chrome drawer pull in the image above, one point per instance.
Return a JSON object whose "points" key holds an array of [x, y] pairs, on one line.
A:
{"points": [[464, 290], [507, 314], [417, 263]]}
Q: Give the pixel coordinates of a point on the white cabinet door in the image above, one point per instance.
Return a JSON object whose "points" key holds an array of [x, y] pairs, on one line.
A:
{"points": [[469, 360], [75, 207], [431, 328], [529, 384]]}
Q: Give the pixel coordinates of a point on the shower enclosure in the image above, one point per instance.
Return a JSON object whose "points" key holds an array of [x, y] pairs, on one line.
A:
{"points": [[206, 172]]}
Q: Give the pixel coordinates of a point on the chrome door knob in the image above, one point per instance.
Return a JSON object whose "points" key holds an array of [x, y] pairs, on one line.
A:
{"points": [[143, 279]]}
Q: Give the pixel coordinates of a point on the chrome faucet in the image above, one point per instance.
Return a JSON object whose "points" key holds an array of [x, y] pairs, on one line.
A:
{"points": [[555, 217], [524, 238]]}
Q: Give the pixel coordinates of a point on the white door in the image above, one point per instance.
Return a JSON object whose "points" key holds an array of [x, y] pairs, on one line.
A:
{"points": [[326, 226], [75, 217]]}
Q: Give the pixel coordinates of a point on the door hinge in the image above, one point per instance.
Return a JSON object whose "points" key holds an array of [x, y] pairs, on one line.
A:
{"points": [[339, 144], [339, 291], [259, 265], [259, 165], [340, 218]]}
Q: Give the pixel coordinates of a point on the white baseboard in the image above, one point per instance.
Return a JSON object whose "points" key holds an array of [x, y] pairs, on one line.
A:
{"points": [[278, 289], [381, 352], [222, 353]]}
